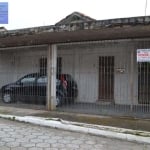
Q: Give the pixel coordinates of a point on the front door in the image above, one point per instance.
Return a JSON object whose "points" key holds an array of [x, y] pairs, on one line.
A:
{"points": [[106, 78]]}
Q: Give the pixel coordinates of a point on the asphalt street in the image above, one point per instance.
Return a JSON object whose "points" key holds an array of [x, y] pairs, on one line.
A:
{"points": [[22, 136]]}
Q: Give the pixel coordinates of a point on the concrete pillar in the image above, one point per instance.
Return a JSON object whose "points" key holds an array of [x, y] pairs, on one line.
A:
{"points": [[132, 80], [51, 76]]}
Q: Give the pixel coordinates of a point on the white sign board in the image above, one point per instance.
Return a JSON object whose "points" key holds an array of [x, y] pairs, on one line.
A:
{"points": [[143, 55]]}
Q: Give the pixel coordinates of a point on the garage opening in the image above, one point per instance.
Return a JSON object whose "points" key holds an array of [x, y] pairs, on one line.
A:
{"points": [[23, 77]]}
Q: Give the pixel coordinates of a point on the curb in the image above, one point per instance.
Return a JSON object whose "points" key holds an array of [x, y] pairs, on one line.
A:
{"points": [[105, 131]]}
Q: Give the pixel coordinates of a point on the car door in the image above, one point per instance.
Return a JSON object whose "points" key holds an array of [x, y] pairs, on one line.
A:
{"points": [[41, 88], [28, 88]]}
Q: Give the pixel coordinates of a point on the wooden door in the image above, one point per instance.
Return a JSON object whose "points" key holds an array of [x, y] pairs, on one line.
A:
{"points": [[106, 78]]}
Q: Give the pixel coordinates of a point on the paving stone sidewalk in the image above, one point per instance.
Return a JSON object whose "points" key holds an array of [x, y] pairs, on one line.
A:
{"points": [[22, 136]]}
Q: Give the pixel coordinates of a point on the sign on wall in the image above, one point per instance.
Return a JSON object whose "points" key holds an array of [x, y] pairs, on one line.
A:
{"points": [[3, 12], [143, 55]]}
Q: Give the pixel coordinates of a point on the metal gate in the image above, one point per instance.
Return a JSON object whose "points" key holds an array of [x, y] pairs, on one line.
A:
{"points": [[101, 77], [23, 77], [105, 78]]}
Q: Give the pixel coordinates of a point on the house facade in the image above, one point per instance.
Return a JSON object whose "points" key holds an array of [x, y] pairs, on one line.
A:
{"points": [[100, 56]]}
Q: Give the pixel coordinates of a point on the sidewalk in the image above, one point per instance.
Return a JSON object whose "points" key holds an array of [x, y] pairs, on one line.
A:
{"points": [[51, 119], [22, 136]]}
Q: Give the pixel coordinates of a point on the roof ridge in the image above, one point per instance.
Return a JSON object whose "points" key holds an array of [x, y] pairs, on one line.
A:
{"points": [[71, 18]]}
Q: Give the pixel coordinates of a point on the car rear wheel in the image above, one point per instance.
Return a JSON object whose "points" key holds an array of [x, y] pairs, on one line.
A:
{"points": [[7, 97]]}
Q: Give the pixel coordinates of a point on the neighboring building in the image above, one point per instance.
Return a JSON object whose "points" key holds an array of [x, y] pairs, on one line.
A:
{"points": [[2, 29], [101, 56]]}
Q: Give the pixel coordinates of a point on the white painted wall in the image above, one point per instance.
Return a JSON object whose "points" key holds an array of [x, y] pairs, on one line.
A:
{"points": [[16, 63], [6, 68], [82, 62]]}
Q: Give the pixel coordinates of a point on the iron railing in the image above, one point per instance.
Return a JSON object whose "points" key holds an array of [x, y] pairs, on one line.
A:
{"points": [[101, 78]]}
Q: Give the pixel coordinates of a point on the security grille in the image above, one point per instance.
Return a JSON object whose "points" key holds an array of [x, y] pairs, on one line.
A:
{"points": [[23, 77], [100, 77], [107, 78]]}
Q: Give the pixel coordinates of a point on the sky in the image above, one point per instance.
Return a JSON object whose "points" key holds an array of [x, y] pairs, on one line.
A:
{"points": [[33, 13]]}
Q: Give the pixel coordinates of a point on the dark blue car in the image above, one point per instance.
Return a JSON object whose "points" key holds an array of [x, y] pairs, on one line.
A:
{"points": [[31, 88]]}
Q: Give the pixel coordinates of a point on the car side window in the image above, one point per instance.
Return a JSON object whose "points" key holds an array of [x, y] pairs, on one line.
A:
{"points": [[28, 80], [42, 80]]}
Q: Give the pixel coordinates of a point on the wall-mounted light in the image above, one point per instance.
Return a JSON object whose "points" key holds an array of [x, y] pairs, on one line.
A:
{"points": [[120, 70]]}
